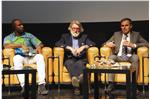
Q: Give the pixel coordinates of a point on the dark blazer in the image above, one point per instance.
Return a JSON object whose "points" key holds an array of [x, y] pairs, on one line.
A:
{"points": [[66, 40], [135, 38]]}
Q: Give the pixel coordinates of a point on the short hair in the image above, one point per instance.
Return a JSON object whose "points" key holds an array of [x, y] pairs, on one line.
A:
{"points": [[128, 19], [13, 23], [77, 23]]}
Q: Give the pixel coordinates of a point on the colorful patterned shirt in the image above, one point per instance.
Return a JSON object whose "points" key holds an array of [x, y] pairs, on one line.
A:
{"points": [[27, 39]]}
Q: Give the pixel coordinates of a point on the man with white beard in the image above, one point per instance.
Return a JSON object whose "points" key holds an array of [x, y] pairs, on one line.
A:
{"points": [[75, 44]]}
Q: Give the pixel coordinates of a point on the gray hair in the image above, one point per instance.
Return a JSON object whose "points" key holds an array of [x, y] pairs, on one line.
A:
{"points": [[77, 23]]}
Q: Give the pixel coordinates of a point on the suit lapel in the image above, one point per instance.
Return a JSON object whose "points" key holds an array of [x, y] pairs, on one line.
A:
{"points": [[118, 41], [80, 41], [119, 38], [69, 40], [132, 37]]}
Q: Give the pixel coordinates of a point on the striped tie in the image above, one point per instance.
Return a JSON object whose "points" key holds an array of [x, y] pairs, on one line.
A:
{"points": [[124, 50]]}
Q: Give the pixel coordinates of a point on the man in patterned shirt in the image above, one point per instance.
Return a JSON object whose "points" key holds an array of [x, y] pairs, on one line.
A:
{"points": [[23, 43]]}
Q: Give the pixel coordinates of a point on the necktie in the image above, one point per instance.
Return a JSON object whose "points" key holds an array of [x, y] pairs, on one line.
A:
{"points": [[124, 49]]}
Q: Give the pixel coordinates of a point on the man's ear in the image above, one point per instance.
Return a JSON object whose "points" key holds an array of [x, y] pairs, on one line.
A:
{"points": [[131, 26]]}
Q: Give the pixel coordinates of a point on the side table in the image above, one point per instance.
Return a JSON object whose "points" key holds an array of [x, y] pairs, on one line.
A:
{"points": [[130, 81], [26, 72]]}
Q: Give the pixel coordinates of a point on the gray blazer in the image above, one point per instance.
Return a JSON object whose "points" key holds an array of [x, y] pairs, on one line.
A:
{"points": [[135, 38]]}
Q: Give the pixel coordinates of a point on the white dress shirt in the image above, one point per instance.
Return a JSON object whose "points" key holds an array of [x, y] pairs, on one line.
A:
{"points": [[121, 45]]}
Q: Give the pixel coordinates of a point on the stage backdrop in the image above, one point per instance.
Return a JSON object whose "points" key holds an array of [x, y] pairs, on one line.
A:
{"points": [[65, 11], [48, 20]]}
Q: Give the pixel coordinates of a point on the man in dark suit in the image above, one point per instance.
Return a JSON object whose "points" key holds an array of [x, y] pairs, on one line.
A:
{"points": [[124, 44], [75, 44]]}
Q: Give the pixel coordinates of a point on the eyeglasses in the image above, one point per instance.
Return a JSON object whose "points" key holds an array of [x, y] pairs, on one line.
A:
{"points": [[73, 28]]}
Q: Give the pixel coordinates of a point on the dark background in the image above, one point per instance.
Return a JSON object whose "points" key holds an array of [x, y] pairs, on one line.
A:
{"points": [[99, 32]]}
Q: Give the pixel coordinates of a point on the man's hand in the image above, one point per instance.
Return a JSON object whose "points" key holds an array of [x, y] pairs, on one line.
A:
{"points": [[110, 44], [39, 48], [79, 50], [128, 44], [73, 51], [25, 48]]}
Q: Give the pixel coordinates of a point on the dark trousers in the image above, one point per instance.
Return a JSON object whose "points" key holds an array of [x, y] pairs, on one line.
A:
{"points": [[75, 66]]}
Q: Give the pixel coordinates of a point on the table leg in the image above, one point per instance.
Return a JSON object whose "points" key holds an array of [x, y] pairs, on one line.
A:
{"points": [[9, 84], [96, 87], [128, 85], [85, 84], [143, 74], [3, 77], [134, 86], [58, 74], [33, 89], [26, 96]]}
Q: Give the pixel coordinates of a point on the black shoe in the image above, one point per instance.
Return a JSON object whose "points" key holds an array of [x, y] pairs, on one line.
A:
{"points": [[42, 90], [110, 88], [76, 91]]}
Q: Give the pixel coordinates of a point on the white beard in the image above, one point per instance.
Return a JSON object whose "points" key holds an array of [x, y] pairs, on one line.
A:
{"points": [[75, 34]]}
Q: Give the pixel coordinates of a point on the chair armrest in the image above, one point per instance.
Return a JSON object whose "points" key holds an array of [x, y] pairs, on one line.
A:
{"points": [[92, 52], [143, 55], [58, 51], [46, 52], [142, 52], [105, 51], [8, 52]]}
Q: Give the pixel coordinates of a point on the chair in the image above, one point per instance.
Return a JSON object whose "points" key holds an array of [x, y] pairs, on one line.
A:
{"points": [[8, 52], [142, 53], [64, 75]]}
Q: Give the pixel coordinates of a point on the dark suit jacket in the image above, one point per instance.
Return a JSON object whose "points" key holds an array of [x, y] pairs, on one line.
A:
{"points": [[135, 38], [66, 40]]}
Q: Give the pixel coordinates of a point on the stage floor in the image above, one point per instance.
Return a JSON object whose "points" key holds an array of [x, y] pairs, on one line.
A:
{"points": [[66, 92]]}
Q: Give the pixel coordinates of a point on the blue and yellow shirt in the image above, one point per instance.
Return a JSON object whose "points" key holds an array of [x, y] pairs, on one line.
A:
{"points": [[27, 39]]}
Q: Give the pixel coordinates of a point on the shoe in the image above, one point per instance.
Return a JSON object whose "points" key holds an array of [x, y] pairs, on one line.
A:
{"points": [[91, 91], [75, 82], [23, 91], [42, 90], [138, 92], [110, 88], [81, 78], [76, 91]]}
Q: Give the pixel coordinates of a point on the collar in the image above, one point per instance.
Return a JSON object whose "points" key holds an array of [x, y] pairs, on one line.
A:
{"points": [[23, 34]]}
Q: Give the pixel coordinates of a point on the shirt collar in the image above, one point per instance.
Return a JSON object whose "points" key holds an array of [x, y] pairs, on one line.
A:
{"points": [[23, 34]]}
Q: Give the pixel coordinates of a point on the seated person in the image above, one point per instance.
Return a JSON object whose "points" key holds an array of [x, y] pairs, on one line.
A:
{"points": [[22, 42], [124, 44], [75, 44]]}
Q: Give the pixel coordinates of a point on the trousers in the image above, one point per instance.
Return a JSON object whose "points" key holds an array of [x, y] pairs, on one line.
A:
{"points": [[38, 59], [75, 66], [133, 59]]}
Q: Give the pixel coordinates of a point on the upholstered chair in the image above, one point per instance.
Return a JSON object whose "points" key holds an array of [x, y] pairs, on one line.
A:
{"points": [[8, 55]]}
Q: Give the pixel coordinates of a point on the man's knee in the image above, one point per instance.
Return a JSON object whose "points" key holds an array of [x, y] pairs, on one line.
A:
{"points": [[17, 58], [39, 56], [69, 62], [113, 57], [134, 58]]}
